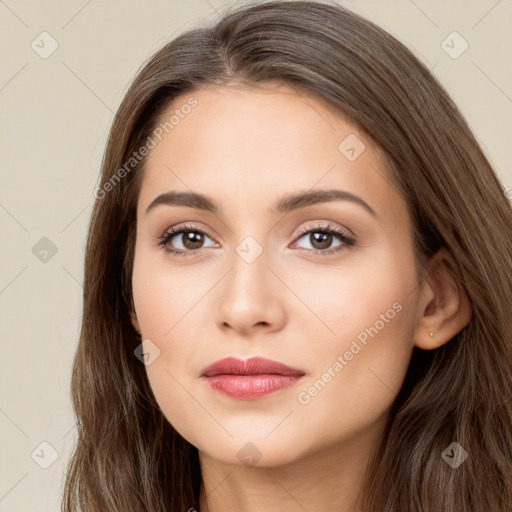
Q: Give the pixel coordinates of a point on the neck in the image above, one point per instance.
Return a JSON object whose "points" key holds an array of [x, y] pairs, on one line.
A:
{"points": [[327, 479]]}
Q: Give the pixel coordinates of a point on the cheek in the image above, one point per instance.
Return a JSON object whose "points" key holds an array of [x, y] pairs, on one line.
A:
{"points": [[365, 299], [357, 377], [359, 369], [173, 319], [164, 296]]}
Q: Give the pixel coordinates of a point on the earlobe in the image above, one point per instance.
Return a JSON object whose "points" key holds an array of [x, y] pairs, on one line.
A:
{"points": [[445, 309]]}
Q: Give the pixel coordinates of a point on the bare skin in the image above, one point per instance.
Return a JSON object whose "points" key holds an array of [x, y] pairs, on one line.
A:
{"points": [[308, 446]]}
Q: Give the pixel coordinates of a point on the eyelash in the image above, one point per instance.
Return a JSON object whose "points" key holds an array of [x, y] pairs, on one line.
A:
{"points": [[347, 240]]}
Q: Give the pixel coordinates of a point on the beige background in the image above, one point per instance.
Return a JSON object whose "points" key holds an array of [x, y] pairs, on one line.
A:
{"points": [[56, 113]]}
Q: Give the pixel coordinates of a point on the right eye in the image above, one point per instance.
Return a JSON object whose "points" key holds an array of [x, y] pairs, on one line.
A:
{"points": [[191, 240]]}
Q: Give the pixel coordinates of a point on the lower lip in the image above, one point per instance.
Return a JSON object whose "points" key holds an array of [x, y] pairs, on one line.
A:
{"points": [[249, 387]]}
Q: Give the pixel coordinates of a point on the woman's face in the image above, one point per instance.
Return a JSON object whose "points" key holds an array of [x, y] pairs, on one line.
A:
{"points": [[261, 277]]}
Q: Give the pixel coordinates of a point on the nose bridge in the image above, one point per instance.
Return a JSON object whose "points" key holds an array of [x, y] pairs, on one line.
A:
{"points": [[249, 272], [247, 298]]}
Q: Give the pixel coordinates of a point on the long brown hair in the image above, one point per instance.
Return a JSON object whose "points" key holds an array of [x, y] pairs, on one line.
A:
{"points": [[127, 456]]}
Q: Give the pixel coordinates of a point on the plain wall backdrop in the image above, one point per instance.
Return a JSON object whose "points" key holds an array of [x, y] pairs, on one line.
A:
{"points": [[64, 68]]}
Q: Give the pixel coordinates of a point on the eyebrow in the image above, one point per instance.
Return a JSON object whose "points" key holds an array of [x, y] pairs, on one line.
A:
{"points": [[285, 204]]}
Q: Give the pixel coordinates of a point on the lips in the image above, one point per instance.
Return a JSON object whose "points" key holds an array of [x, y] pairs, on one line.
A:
{"points": [[252, 366], [247, 380]]}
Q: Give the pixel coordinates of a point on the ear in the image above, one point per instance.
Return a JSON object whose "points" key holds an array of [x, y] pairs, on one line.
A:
{"points": [[444, 307], [133, 317]]}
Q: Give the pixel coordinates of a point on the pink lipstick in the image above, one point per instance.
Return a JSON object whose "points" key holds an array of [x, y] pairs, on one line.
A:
{"points": [[247, 380]]}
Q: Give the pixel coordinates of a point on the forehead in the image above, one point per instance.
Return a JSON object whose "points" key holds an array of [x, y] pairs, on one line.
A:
{"points": [[248, 144]]}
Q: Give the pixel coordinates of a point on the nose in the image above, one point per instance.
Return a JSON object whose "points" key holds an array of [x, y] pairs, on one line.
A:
{"points": [[250, 298]]}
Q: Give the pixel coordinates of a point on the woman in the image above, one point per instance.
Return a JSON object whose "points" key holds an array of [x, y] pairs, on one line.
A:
{"points": [[297, 285]]}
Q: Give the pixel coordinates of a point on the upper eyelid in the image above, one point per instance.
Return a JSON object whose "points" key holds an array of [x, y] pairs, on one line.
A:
{"points": [[175, 230], [327, 224]]}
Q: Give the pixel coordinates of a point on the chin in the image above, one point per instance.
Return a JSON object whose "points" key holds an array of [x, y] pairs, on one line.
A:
{"points": [[253, 449]]}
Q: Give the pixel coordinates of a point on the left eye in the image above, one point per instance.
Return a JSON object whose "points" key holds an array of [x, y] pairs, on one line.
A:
{"points": [[321, 238]]}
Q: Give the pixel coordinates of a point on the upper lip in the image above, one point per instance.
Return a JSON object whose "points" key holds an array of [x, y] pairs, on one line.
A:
{"points": [[252, 366]]}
